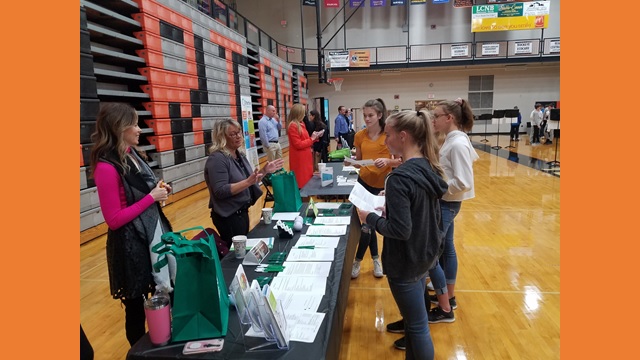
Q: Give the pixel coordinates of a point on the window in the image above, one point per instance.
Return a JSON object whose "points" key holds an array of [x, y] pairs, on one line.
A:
{"points": [[481, 94]]}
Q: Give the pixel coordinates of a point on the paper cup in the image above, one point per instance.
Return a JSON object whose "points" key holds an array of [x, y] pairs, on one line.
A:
{"points": [[266, 215], [239, 246], [321, 166]]}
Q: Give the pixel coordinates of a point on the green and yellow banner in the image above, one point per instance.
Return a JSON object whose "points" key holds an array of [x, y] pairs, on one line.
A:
{"points": [[512, 16]]}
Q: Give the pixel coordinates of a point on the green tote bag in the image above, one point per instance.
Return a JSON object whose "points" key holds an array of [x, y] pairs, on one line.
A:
{"points": [[286, 194], [200, 302]]}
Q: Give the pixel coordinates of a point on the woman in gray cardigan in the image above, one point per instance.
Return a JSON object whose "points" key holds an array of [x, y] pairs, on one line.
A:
{"points": [[232, 182]]}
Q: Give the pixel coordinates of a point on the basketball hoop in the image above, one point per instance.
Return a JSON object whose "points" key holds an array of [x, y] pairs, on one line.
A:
{"points": [[337, 83]]}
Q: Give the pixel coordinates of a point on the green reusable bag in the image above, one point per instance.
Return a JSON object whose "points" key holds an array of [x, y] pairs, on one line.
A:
{"points": [[340, 154], [200, 302], [286, 194]]}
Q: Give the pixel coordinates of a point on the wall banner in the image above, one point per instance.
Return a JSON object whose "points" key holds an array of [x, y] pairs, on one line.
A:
{"points": [[356, 3], [248, 130], [359, 58], [309, 2], [397, 2], [338, 59], [331, 3], [418, 2], [554, 46], [378, 3], [511, 16]]}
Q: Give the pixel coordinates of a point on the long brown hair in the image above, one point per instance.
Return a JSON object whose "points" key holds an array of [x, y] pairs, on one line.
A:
{"points": [[417, 124], [461, 112], [296, 115], [113, 119], [380, 108]]}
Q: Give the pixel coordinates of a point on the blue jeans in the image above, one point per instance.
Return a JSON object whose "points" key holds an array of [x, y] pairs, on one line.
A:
{"points": [[408, 297], [446, 270]]}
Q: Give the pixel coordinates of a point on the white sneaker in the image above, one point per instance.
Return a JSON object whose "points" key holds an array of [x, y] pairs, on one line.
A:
{"points": [[430, 286], [377, 268], [355, 270]]}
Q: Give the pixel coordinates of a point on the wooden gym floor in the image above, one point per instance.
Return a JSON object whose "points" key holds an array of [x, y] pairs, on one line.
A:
{"points": [[508, 289]]}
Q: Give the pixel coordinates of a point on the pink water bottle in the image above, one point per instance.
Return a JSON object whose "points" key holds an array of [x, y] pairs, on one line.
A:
{"points": [[158, 313]]}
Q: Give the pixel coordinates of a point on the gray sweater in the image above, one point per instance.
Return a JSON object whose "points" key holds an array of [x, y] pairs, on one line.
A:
{"points": [[412, 229], [220, 171]]}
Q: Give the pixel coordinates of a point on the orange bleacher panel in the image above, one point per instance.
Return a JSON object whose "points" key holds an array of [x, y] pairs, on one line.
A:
{"points": [[162, 77], [148, 22], [81, 157], [150, 40], [196, 124], [161, 142], [168, 110], [234, 113], [166, 93], [166, 14], [159, 126], [198, 138], [152, 58]]}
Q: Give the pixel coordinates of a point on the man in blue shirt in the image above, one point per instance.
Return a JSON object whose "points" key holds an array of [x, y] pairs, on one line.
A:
{"points": [[269, 131], [341, 127]]}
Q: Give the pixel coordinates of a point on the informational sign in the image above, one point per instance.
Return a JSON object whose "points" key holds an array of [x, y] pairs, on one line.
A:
{"points": [[397, 2], [359, 58], [349, 58], [331, 3], [376, 3], [554, 46], [523, 47], [338, 59], [460, 50], [510, 16], [248, 130], [490, 49], [356, 3]]}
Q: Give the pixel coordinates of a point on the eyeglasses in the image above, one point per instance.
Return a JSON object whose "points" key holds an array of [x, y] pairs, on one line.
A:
{"points": [[235, 134]]}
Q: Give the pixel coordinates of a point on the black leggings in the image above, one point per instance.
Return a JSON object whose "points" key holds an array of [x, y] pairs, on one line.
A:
{"points": [[368, 237], [134, 319], [230, 226]]}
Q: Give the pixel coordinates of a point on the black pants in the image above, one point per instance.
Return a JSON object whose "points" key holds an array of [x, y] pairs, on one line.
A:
{"points": [[86, 350], [230, 226], [134, 319], [513, 134], [368, 237]]}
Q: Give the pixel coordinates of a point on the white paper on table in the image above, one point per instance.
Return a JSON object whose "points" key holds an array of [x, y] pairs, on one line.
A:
{"points": [[318, 241], [295, 301], [364, 162], [364, 200], [317, 254], [285, 216], [304, 326], [326, 230], [333, 220], [327, 205], [306, 284], [348, 168], [306, 268]]}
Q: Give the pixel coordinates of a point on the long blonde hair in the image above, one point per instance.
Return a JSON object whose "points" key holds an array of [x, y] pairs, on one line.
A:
{"points": [[417, 124], [219, 136], [296, 115], [113, 119]]}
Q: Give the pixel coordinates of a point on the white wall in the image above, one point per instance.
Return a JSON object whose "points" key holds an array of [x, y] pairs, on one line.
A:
{"points": [[511, 88], [372, 27]]}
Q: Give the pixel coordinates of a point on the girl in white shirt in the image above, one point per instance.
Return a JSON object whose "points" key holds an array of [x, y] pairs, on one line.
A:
{"points": [[457, 155]]}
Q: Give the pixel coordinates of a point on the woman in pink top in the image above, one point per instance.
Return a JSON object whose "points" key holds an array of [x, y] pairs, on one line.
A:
{"points": [[129, 194]]}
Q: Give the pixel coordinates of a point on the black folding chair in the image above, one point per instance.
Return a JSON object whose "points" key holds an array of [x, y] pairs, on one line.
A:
{"points": [[266, 181]]}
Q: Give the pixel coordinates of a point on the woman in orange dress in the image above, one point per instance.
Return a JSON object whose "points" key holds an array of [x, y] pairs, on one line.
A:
{"points": [[300, 152]]}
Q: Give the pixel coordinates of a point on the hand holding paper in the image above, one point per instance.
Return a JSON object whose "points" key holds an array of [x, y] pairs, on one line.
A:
{"points": [[365, 200]]}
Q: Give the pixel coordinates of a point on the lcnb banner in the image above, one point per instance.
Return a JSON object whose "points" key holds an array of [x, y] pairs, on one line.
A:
{"points": [[511, 16]]}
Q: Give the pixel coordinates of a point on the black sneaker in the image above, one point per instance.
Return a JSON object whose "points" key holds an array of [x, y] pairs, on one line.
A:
{"points": [[396, 327], [437, 315], [452, 301], [400, 344]]}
